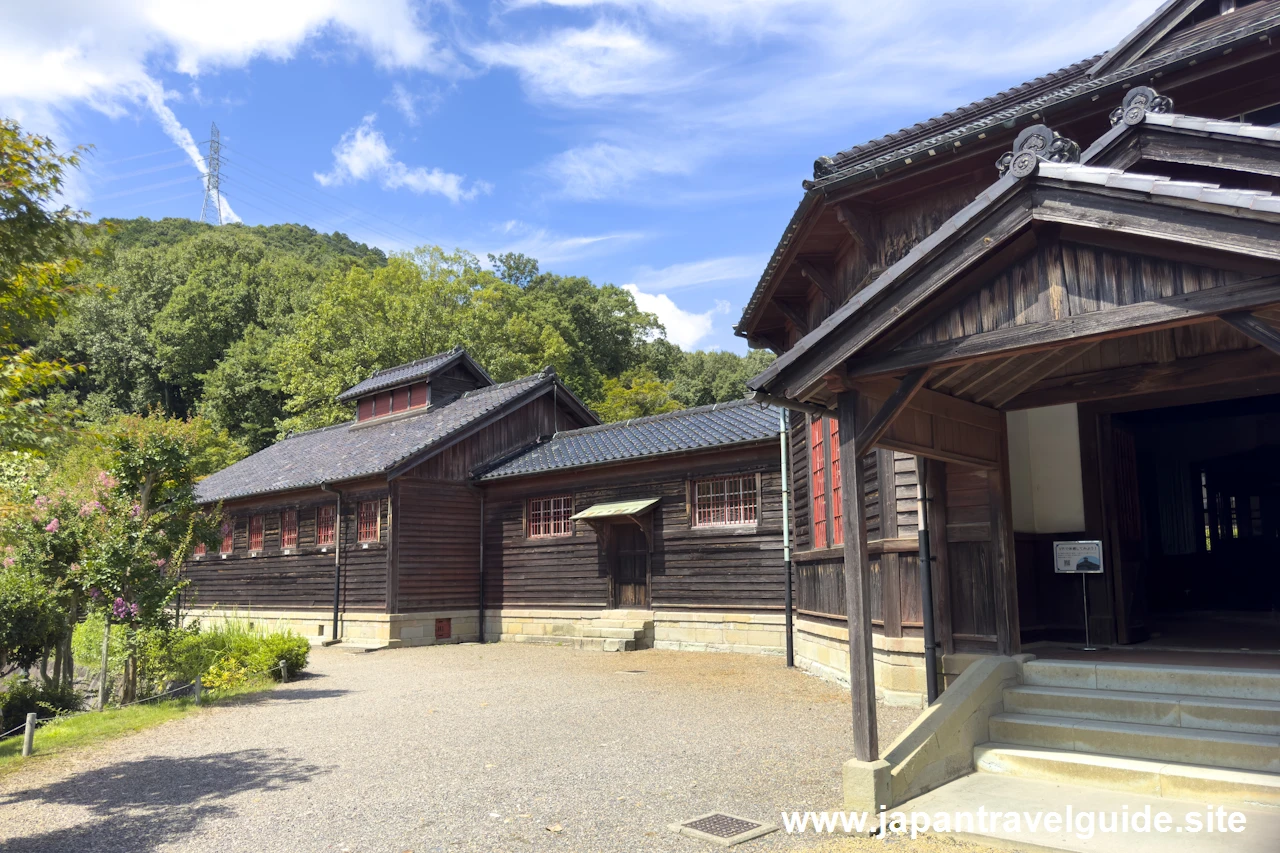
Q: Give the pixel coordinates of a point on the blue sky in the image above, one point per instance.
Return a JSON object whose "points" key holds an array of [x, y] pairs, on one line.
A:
{"points": [[658, 144]]}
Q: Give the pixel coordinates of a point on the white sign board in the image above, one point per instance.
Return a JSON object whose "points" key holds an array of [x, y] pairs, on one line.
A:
{"points": [[1077, 558]]}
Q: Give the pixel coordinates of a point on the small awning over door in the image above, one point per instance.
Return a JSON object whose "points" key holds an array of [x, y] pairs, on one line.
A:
{"points": [[616, 509]]}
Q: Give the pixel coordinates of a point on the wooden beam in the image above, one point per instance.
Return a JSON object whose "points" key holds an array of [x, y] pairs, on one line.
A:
{"points": [[1054, 360], [883, 419], [861, 224], [1180, 375], [1008, 631], [1171, 311], [1255, 329], [857, 581], [793, 314], [932, 402], [822, 279]]}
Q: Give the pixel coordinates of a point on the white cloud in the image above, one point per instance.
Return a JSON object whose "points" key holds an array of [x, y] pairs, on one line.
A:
{"points": [[605, 60], [59, 54], [363, 154], [684, 328], [549, 247], [405, 102], [709, 271]]}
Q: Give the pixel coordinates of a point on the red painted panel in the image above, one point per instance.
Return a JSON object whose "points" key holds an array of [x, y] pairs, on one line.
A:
{"points": [[400, 400], [364, 409], [383, 405], [417, 395]]}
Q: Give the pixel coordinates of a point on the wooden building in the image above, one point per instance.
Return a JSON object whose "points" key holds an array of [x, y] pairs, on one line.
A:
{"points": [[369, 531], [1078, 344], [383, 531], [663, 531]]}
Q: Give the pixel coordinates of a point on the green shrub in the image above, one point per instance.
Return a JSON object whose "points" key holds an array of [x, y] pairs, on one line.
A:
{"points": [[273, 648], [23, 696]]}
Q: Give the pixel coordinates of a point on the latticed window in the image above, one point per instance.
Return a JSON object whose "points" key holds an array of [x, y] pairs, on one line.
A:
{"points": [[367, 521], [818, 481], [228, 537], [201, 549], [289, 528], [325, 527], [725, 501], [837, 531], [550, 516], [255, 533]]}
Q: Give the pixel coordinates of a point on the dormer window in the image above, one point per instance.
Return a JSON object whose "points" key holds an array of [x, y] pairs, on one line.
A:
{"points": [[435, 380]]}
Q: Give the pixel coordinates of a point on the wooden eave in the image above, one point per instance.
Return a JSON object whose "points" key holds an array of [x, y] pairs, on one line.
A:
{"points": [[857, 339], [1145, 36]]}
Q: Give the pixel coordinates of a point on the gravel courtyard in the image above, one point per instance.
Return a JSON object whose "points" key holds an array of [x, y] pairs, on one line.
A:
{"points": [[459, 748]]}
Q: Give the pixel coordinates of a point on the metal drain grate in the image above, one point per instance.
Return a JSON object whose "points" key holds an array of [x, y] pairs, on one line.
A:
{"points": [[723, 829]]}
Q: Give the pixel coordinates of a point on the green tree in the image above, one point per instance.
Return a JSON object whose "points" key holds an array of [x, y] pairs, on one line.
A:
{"points": [[40, 251], [704, 377], [636, 394]]}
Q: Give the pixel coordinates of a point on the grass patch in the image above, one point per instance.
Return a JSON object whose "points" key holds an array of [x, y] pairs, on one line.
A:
{"points": [[91, 728]]}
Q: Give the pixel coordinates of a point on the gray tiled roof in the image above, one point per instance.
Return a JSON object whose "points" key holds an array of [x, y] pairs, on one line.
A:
{"points": [[352, 450], [401, 374], [1155, 185], [689, 429], [1017, 106]]}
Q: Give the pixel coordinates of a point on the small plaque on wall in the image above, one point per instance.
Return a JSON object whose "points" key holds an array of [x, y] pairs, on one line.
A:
{"points": [[1081, 557]]}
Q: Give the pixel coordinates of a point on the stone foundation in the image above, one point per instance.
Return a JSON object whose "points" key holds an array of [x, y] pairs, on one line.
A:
{"points": [[373, 630], [703, 631]]}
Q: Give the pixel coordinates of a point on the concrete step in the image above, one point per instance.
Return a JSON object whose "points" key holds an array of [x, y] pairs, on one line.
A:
{"points": [[629, 624], [1220, 682], [596, 644], [1221, 786], [595, 630], [1242, 751], [1256, 716]]}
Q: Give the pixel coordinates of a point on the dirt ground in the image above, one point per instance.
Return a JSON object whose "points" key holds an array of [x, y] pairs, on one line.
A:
{"points": [[491, 748]]}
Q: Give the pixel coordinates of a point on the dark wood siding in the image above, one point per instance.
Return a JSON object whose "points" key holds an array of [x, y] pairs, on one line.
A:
{"points": [[437, 545], [715, 568], [301, 580]]}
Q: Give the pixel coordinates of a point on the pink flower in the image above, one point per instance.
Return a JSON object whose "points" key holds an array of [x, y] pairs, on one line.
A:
{"points": [[119, 609], [134, 510], [41, 502], [107, 481], [133, 608], [94, 592], [52, 527], [90, 508], [226, 528], [8, 562]]}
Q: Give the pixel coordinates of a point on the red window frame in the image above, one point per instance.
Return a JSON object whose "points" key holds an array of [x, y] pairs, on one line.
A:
{"points": [[257, 533], [201, 549], [289, 528], [818, 481], [228, 538], [726, 501], [548, 517], [367, 518], [326, 530], [837, 508]]}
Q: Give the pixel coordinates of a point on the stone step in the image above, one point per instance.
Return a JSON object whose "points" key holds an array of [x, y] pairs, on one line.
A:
{"points": [[1238, 750], [595, 630], [629, 624], [1221, 682], [597, 644], [642, 615], [1256, 716], [1217, 785]]}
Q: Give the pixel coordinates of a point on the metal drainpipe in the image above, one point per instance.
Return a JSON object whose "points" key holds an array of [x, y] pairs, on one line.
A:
{"points": [[481, 606], [337, 556], [926, 585], [786, 533]]}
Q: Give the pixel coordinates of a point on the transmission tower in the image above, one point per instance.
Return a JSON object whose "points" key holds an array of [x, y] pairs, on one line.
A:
{"points": [[211, 212]]}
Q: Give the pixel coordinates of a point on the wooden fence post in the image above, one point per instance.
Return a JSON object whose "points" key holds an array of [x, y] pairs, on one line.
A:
{"points": [[29, 735]]}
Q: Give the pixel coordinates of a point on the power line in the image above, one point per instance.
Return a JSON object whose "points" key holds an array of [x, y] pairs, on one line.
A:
{"points": [[211, 211], [139, 156], [237, 154], [154, 186], [147, 171]]}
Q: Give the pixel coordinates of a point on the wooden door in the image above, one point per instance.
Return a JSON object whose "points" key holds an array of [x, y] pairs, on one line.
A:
{"points": [[629, 567], [1125, 545]]}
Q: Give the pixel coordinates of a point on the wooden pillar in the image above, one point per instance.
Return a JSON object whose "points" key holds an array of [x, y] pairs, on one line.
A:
{"points": [[1008, 627], [857, 581]]}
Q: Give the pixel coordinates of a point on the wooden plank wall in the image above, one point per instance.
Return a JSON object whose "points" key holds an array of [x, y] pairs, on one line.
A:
{"points": [[711, 568], [971, 559], [299, 581], [1064, 279], [437, 546]]}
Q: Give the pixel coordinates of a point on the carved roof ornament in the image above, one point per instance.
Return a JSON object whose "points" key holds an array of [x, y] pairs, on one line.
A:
{"points": [[1139, 101], [822, 167], [1036, 143]]}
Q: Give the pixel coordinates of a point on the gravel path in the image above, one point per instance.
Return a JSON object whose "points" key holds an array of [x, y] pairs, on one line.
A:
{"points": [[458, 748]]}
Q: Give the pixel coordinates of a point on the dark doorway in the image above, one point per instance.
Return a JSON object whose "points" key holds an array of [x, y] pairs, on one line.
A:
{"points": [[628, 566], [1205, 571]]}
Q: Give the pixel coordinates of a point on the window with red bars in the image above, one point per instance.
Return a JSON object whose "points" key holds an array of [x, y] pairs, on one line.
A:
{"points": [[725, 501], [255, 533], [837, 530], [818, 481], [289, 528], [325, 528], [550, 517], [228, 537], [367, 521], [201, 549]]}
